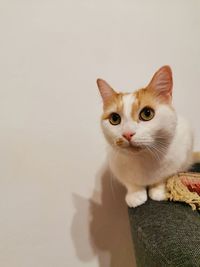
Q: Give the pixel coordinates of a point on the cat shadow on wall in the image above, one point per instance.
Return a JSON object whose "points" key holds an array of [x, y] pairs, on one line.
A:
{"points": [[101, 227]]}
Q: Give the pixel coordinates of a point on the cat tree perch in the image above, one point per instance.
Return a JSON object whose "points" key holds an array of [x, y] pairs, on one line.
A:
{"points": [[166, 234]]}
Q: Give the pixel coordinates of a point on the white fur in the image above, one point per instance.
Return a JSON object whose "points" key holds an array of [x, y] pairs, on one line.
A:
{"points": [[128, 123], [139, 169], [128, 101]]}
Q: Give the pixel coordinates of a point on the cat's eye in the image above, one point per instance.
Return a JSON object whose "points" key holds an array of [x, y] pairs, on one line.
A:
{"points": [[146, 114], [114, 119]]}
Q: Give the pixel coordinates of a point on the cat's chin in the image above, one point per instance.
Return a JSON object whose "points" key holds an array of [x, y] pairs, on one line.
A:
{"points": [[132, 148], [135, 148]]}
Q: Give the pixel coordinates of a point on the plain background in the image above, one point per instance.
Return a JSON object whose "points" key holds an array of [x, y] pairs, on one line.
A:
{"points": [[58, 203]]}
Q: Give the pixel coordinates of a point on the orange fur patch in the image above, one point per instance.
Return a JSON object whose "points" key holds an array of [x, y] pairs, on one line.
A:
{"points": [[113, 105], [119, 141], [144, 98]]}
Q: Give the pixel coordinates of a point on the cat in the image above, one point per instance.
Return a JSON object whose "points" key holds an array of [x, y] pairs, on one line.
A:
{"points": [[148, 141]]}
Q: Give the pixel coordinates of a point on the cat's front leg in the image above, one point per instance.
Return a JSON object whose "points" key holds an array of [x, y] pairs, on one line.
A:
{"points": [[136, 195], [158, 191]]}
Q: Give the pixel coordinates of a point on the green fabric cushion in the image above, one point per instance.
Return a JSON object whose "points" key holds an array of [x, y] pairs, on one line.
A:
{"points": [[166, 234]]}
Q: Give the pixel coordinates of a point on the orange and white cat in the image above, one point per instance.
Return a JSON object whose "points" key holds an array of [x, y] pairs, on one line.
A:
{"points": [[148, 142]]}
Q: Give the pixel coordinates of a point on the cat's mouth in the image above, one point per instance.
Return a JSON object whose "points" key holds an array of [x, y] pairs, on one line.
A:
{"points": [[135, 146], [129, 145]]}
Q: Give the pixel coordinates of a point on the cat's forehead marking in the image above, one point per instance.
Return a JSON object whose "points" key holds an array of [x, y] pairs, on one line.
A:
{"points": [[128, 100]]}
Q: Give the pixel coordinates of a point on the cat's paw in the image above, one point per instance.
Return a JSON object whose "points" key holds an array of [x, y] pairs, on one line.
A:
{"points": [[135, 199], [158, 192]]}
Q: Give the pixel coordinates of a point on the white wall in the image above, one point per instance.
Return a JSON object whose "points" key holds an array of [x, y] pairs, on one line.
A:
{"points": [[58, 206]]}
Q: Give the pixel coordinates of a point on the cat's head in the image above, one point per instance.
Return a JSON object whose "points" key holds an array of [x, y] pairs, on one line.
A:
{"points": [[141, 120]]}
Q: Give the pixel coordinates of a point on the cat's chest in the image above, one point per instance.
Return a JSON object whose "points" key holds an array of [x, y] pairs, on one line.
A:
{"points": [[129, 169]]}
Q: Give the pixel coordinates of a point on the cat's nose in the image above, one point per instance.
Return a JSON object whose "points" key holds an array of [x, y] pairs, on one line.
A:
{"points": [[128, 135]]}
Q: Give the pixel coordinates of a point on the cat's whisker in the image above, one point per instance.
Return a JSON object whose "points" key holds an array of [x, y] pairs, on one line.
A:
{"points": [[152, 153], [159, 151], [156, 153]]}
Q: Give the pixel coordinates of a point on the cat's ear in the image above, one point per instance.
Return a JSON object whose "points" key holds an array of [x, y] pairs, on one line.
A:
{"points": [[162, 83], [106, 91]]}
